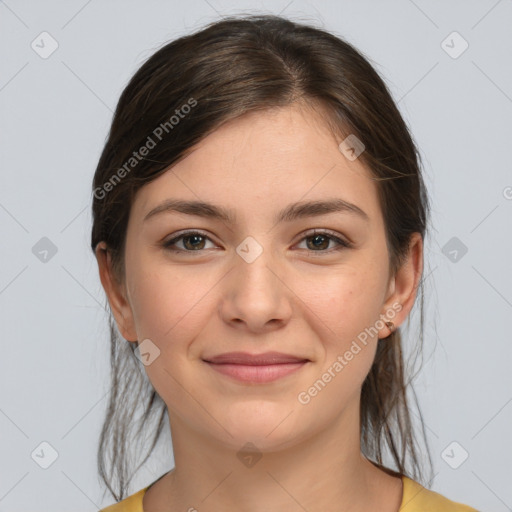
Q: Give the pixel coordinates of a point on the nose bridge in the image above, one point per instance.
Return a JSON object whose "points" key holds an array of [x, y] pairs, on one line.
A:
{"points": [[255, 259], [255, 292]]}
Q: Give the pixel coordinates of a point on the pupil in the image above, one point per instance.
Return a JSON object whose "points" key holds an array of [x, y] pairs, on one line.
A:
{"points": [[194, 237], [316, 238]]}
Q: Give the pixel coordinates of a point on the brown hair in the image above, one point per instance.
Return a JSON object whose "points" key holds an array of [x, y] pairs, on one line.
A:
{"points": [[231, 67]]}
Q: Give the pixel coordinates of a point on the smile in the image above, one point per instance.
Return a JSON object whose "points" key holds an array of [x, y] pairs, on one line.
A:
{"points": [[256, 373]]}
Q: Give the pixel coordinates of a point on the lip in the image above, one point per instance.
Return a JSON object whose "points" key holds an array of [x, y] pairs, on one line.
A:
{"points": [[264, 359], [256, 368]]}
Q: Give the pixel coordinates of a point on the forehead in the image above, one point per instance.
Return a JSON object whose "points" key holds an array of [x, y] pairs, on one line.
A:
{"points": [[262, 161]]}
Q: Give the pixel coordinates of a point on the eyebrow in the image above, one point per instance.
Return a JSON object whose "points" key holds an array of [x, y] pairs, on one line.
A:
{"points": [[290, 213]]}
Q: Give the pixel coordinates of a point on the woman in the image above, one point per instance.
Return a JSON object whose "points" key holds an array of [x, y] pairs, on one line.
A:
{"points": [[259, 218]]}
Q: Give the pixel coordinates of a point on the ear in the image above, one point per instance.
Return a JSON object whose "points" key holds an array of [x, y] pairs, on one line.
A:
{"points": [[403, 286], [116, 294]]}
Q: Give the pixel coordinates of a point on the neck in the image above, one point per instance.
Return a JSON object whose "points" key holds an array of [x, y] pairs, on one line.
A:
{"points": [[324, 470]]}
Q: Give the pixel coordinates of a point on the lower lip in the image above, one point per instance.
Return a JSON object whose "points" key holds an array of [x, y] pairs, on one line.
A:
{"points": [[256, 373]]}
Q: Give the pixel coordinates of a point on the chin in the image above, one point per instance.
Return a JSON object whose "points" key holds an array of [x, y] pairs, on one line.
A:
{"points": [[268, 430]]}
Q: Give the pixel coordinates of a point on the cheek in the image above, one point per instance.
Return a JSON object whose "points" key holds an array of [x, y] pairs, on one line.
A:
{"points": [[341, 317], [152, 305], [342, 309], [166, 305], [169, 310], [342, 303]]}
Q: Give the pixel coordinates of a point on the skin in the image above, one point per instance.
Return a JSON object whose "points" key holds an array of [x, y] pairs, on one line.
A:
{"points": [[293, 298]]}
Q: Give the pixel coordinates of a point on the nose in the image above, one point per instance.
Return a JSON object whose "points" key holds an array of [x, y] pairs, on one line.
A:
{"points": [[256, 296]]}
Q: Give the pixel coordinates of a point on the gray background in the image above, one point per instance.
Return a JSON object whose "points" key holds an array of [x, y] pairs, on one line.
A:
{"points": [[55, 114]]}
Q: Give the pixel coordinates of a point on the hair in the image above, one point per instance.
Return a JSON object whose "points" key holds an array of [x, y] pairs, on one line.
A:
{"points": [[231, 67]]}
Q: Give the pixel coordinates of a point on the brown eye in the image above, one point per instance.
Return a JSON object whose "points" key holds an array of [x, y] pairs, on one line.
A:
{"points": [[319, 242], [192, 241]]}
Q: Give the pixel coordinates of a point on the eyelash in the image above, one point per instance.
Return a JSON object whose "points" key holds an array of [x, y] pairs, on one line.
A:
{"points": [[342, 244]]}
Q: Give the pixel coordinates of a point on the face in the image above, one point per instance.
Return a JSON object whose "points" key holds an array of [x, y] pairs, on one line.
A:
{"points": [[314, 285]]}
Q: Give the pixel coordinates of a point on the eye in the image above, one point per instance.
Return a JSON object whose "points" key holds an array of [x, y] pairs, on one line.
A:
{"points": [[320, 239], [194, 241]]}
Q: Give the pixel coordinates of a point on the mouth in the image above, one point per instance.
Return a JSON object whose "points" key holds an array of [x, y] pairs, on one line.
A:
{"points": [[256, 368]]}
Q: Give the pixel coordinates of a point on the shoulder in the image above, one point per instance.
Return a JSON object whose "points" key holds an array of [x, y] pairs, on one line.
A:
{"points": [[417, 498], [132, 503]]}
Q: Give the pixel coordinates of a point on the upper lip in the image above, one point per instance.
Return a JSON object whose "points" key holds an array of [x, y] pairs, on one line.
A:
{"points": [[246, 358]]}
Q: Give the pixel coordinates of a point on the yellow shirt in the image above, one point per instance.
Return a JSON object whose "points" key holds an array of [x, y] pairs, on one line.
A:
{"points": [[415, 498]]}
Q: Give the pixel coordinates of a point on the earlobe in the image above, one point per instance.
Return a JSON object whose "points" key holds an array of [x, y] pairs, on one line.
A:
{"points": [[115, 294]]}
